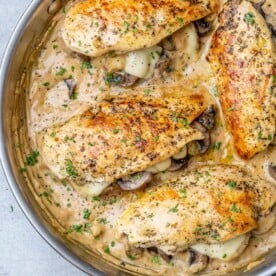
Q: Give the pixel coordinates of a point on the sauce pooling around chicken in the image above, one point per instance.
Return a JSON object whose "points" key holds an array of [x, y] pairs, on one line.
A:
{"points": [[65, 85]]}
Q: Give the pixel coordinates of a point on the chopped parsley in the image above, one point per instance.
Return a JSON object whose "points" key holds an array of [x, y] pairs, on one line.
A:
{"points": [[234, 208], [231, 108], [131, 257], [103, 221], [46, 84], [86, 65], [115, 131], [214, 235], [147, 92], [75, 95], [70, 169], [184, 122], [107, 249], [249, 18], [155, 259], [75, 228], [216, 145], [230, 220], [86, 214], [183, 193], [126, 26], [174, 209], [61, 71], [231, 184], [113, 243], [180, 20], [87, 227], [110, 78], [215, 91], [224, 256], [23, 169], [96, 198], [31, 159]]}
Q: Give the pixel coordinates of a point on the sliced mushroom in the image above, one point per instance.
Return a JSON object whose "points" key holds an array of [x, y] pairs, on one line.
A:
{"points": [[200, 146], [269, 9], [258, 6], [266, 223], [168, 44], [178, 164], [54, 6], [180, 155], [194, 261], [193, 148], [205, 143], [160, 167], [71, 84], [135, 181], [207, 118], [203, 27], [162, 64], [272, 171], [156, 251], [134, 253], [121, 79], [198, 126]]}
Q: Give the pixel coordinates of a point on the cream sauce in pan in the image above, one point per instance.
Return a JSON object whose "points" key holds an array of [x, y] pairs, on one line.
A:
{"points": [[90, 221]]}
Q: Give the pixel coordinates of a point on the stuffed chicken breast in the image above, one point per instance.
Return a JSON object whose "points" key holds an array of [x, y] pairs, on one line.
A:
{"points": [[125, 136], [243, 58], [97, 27], [210, 209]]}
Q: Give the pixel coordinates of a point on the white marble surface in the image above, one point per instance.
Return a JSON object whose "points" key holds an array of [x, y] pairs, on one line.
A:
{"points": [[22, 251]]}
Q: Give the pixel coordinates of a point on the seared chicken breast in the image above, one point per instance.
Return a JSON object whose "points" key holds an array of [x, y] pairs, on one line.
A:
{"points": [[212, 205], [97, 27], [243, 58], [125, 135]]}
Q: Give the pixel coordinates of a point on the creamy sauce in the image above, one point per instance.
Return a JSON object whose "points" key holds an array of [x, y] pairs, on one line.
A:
{"points": [[91, 221]]}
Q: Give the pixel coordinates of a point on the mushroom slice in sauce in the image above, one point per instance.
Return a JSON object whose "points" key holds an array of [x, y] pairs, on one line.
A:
{"points": [[203, 27], [135, 181], [122, 79], [266, 222], [71, 85]]}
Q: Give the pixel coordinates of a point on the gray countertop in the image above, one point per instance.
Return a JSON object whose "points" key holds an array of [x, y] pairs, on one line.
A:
{"points": [[22, 250]]}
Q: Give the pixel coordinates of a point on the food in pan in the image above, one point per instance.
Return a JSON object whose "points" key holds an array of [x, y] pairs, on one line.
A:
{"points": [[126, 139], [94, 28], [153, 145], [210, 209], [243, 58]]}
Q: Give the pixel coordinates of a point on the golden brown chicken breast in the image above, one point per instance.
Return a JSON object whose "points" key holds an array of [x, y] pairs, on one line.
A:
{"points": [[125, 135], [209, 206], [95, 27], [243, 58]]}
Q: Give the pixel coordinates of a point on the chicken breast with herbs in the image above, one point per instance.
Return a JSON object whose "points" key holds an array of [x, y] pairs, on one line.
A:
{"points": [[243, 59], [96, 27], [125, 135], [208, 208]]}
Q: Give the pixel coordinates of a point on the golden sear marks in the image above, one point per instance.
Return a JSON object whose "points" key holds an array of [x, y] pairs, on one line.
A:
{"points": [[243, 57], [97, 27]]}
